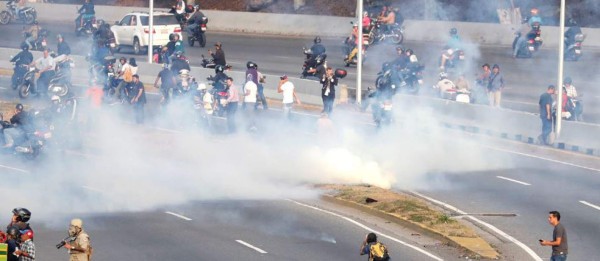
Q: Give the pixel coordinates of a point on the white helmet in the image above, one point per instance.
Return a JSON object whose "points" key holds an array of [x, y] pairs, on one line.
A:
{"points": [[55, 98], [201, 87], [450, 51], [413, 59]]}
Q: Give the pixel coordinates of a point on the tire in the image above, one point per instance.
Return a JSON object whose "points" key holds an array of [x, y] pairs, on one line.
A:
{"points": [[29, 18], [202, 40], [5, 17], [137, 49], [372, 37], [24, 91], [379, 82], [398, 37], [191, 41]]}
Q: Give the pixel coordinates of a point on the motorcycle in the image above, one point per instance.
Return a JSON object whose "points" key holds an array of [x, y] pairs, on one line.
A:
{"points": [[389, 81], [89, 25], [573, 49], [28, 82], [210, 63], [532, 44], [198, 34], [31, 144], [395, 33], [17, 78], [60, 84], [185, 83], [350, 46], [42, 40], [27, 15], [312, 62]]}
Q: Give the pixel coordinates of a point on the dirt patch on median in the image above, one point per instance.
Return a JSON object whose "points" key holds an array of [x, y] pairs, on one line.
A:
{"points": [[413, 211]]}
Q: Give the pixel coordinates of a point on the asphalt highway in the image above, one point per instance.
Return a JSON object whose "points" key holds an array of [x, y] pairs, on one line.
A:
{"points": [[525, 79]]}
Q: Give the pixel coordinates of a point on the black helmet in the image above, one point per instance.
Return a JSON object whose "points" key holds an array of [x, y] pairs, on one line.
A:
{"points": [[24, 46], [22, 214], [219, 68], [317, 39], [251, 64], [13, 231], [19, 107], [568, 80], [453, 31]]}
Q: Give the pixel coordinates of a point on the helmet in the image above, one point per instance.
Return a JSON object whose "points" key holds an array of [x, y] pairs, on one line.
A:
{"points": [[317, 39], [55, 98], [19, 107], [413, 58], [443, 75], [453, 31], [534, 11], [27, 232], [355, 24], [24, 46], [172, 37], [219, 68], [76, 222], [22, 214], [409, 52], [201, 87], [250, 64], [13, 231], [568, 80], [450, 51]]}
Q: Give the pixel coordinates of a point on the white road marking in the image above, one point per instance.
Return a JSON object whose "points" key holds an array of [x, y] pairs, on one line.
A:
{"points": [[491, 227], [15, 169], [542, 158], [3, 88], [251, 247], [589, 204], [514, 180], [179, 216], [379, 234]]}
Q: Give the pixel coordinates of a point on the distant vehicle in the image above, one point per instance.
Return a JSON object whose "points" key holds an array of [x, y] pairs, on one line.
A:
{"points": [[133, 30], [28, 14]]}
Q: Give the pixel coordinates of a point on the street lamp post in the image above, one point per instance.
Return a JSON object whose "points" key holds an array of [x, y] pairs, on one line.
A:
{"points": [[151, 31], [360, 54], [561, 59]]}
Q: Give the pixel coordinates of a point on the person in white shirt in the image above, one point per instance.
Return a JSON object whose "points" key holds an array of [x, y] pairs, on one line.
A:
{"points": [[571, 92], [46, 66], [287, 88], [250, 93]]}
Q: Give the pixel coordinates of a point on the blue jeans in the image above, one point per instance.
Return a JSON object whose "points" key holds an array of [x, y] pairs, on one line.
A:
{"points": [[546, 129], [558, 258], [520, 41]]}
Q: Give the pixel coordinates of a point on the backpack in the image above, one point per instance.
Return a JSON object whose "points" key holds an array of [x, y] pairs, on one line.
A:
{"points": [[378, 252], [128, 75]]}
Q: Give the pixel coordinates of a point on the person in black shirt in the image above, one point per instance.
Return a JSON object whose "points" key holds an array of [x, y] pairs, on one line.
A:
{"points": [[21, 125], [219, 55], [546, 115], [21, 59], [62, 46], [317, 48], [167, 82], [179, 63], [329, 82], [138, 99], [85, 12], [12, 234]]}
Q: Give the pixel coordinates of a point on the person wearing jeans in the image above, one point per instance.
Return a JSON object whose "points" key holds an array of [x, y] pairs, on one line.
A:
{"points": [[329, 82], [495, 86]]}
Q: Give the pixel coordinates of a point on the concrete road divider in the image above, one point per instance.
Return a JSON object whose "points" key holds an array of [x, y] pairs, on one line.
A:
{"points": [[311, 25]]}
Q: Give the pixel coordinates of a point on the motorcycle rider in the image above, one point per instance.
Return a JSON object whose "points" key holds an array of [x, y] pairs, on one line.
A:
{"points": [[33, 32], [103, 34], [366, 22], [526, 30], [534, 18], [571, 93], [317, 48], [444, 84], [85, 12], [387, 18], [62, 47], [179, 10], [447, 56], [570, 34], [219, 78], [167, 82], [352, 44], [46, 65], [21, 4], [21, 125], [22, 58], [194, 21], [179, 63], [219, 55]]}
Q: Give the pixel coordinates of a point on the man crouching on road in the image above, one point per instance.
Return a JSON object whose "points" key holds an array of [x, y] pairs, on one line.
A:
{"points": [[80, 248]]}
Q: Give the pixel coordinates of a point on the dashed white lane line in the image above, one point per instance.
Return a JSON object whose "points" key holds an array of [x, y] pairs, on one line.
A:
{"points": [[542, 158], [514, 180], [3, 88], [251, 247], [379, 234], [179, 216], [15, 169], [491, 227], [589, 204]]}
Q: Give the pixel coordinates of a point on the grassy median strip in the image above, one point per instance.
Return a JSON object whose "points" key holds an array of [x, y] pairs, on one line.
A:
{"points": [[412, 211]]}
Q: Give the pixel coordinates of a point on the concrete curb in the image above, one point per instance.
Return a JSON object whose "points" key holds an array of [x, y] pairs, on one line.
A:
{"points": [[471, 246]]}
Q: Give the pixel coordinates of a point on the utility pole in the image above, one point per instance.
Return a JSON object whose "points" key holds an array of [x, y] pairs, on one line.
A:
{"points": [[151, 31], [561, 61], [360, 54]]}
